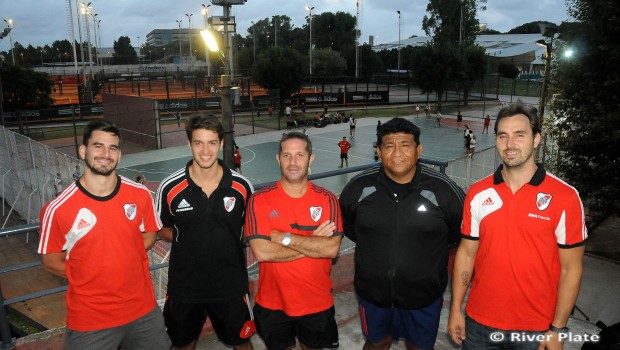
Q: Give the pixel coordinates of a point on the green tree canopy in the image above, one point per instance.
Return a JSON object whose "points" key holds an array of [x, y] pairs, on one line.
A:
{"points": [[333, 31], [280, 68], [444, 19], [328, 63], [586, 114], [23, 87], [124, 53], [433, 68]]}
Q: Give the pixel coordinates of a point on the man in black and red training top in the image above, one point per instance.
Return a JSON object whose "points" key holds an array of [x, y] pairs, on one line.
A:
{"points": [[202, 208]]}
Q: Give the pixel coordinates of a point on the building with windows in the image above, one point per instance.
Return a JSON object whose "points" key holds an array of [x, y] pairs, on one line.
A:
{"points": [[163, 37]]}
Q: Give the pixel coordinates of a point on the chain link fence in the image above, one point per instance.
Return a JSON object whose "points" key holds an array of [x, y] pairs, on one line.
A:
{"points": [[467, 170], [28, 170]]}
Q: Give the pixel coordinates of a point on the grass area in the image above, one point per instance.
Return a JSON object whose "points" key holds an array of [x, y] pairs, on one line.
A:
{"points": [[21, 324]]}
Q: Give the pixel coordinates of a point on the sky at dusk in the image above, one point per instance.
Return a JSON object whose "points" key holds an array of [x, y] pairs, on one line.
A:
{"points": [[41, 22]]}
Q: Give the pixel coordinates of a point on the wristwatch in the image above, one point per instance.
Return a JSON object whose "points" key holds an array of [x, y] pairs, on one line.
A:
{"points": [[563, 330], [286, 240]]}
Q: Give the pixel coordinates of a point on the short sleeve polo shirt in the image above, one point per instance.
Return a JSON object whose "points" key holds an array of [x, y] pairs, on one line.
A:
{"points": [[517, 266]]}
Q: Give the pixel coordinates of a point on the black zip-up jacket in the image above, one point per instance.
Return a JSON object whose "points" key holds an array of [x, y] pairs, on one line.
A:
{"points": [[401, 252]]}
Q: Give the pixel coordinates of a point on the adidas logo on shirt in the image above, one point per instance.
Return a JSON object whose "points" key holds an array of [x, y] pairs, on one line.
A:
{"points": [[184, 206], [422, 208], [274, 214], [82, 224], [488, 201]]}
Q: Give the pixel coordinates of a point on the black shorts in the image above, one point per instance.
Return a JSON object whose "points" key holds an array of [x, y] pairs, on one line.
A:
{"points": [[232, 320], [344, 156], [278, 330]]}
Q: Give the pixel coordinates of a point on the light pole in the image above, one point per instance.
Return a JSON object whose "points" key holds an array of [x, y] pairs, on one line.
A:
{"points": [[86, 11], [398, 41], [3, 33], [254, 39], [357, 36], [98, 41], [205, 15], [225, 79], [179, 36], [275, 31], [309, 9], [95, 36], [189, 26], [139, 60], [70, 12], [9, 23], [78, 9]]}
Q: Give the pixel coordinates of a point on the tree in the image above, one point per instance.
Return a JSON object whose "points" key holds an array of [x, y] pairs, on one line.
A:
{"points": [[333, 31], [529, 28], [473, 63], [508, 70], [280, 68], [327, 63], [433, 69], [124, 53], [454, 27], [445, 17], [23, 87], [62, 51], [588, 128]]}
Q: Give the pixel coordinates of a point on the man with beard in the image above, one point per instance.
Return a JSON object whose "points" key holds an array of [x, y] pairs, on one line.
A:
{"points": [[524, 233], [294, 229], [202, 208], [96, 234]]}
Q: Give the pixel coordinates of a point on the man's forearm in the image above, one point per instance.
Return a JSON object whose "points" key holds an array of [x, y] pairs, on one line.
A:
{"points": [[317, 247], [267, 251], [568, 286], [461, 277]]}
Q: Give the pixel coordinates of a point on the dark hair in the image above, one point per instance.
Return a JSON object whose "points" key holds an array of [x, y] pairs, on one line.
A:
{"points": [[206, 121], [398, 125], [101, 125], [519, 108], [296, 135]]}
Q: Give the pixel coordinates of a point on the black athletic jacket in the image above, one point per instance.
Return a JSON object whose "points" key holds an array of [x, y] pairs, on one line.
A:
{"points": [[401, 252]]}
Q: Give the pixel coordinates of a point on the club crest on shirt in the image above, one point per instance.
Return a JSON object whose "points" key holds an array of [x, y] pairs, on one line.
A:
{"points": [[315, 213], [543, 200], [229, 203], [130, 211]]}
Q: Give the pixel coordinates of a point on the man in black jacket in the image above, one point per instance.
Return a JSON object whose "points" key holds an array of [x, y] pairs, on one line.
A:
{"points": [[402, 217]]}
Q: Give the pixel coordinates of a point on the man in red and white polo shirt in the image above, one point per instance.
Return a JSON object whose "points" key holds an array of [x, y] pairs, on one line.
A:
{"points": [[524, 233]]}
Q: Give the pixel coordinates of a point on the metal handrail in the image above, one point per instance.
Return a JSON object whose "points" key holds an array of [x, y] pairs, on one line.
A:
{"points": [[7, 341]]}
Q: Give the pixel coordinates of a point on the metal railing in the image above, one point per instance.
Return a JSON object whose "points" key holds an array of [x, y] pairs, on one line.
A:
{"points": [[464, 171], [28, 170]]}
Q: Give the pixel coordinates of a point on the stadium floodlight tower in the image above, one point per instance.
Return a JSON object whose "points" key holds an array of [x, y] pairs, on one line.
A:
{"points": [[6, 31], [225, 81]]}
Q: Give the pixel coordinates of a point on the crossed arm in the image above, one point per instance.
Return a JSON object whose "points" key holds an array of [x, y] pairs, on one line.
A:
{"points": [[321, 244]]}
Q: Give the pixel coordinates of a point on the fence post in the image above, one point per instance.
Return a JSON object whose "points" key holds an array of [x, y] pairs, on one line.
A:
{"points": [[5, 330]]}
